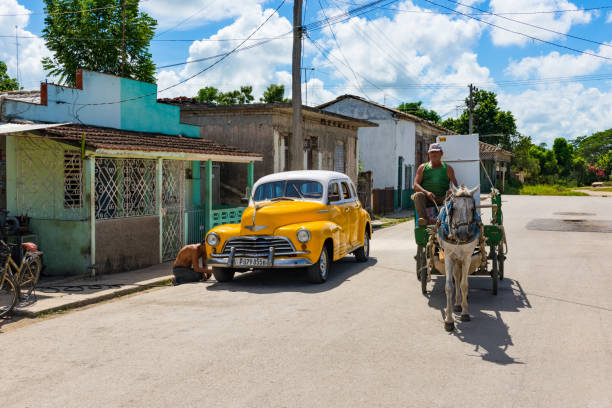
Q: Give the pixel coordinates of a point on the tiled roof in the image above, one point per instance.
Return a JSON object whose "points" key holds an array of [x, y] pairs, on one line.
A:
{"points": [[489, 148], [114, 139], [397, 112], [192, 104]]}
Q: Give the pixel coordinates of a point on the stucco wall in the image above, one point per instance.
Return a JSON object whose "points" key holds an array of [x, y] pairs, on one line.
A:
{"points": [[70, 105], [126, 243], [255, 132], [381, 147], [65, 245]]}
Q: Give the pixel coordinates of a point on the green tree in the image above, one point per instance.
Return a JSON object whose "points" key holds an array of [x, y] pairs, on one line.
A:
{"points": [[6, 82], [564, 155], [273, 94], [87, 34], [488, 120], [523, 160], [211, 95], [416, 108], [591, 147]]}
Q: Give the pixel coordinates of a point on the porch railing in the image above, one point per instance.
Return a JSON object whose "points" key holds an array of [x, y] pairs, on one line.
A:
{"points": [[195, 221]]}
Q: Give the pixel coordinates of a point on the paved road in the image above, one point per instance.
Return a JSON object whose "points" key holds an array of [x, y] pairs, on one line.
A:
{"points": [[366, 338]]}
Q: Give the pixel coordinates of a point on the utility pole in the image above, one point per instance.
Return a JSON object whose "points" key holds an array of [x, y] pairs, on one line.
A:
{"points": [[17, 56], [296, 145], [471, 107], [123, 44]]}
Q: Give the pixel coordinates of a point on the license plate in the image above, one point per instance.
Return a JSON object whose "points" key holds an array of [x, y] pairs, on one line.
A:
{"points": [[262, 262]]}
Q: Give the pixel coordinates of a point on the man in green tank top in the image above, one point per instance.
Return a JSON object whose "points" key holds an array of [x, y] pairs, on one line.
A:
{"points": [[431, 183]]}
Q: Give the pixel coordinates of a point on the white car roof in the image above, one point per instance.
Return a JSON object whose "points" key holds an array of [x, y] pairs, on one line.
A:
{"points": [[322, 176]]}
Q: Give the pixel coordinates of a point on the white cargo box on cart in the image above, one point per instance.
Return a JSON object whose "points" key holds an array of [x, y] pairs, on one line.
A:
{"points": [[462, 152]]}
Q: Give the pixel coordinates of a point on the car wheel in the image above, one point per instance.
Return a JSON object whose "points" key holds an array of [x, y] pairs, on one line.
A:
{"points": [[318, 272], [223, 274], [363, 254]]}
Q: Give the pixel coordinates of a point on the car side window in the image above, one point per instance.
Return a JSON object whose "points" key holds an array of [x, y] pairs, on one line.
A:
{"points": [[353, 190], [333, 193], [346, 191]]}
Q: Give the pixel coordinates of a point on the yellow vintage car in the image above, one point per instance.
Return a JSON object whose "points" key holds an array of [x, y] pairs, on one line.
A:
{"points": [[294, 219]]}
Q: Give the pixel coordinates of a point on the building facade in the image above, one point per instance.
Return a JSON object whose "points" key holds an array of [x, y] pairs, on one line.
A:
{"points": [[330, 140], [107, 197], [392, 151]]}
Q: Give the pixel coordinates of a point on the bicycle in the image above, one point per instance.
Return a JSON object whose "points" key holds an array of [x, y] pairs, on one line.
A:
{"points": [[18, 281]]}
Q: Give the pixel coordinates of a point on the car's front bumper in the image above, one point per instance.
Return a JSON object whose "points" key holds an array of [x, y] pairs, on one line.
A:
{"points": [[226, 262]]}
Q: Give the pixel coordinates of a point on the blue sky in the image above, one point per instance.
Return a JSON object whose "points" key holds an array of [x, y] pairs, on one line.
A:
{"points": [[409, 50]]}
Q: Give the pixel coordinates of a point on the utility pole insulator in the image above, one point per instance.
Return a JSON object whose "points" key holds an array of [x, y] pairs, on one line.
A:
{"points": [[296, 144]]}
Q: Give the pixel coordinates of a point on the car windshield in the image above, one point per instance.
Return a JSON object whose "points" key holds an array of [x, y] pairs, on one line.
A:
{"points": [[289, 189]]}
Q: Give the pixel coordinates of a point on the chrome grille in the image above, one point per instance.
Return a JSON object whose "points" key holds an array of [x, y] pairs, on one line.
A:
{"points": [[258, 246]]}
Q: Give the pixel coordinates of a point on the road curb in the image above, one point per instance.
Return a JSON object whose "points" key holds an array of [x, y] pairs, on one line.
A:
{"points": [[130, 288]]}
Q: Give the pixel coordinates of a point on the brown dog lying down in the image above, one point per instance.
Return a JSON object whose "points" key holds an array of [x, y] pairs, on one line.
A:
{"points": [[187, 264]]}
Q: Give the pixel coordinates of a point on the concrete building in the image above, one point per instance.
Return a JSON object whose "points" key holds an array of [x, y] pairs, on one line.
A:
{"points": [[393, 150], [330, 138], [119, 190]]}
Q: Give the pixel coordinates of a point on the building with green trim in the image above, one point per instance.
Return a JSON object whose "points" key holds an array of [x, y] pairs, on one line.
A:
{"points": [[124, 186]]}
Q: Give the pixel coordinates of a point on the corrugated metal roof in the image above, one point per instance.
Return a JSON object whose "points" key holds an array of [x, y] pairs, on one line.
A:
{"points": [[25, 127]]}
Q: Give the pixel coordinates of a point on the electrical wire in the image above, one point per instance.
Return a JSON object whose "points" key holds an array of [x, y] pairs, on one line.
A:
{"points": [[486, 13], [519, 33], [181, 22], [58, 13], [530, 25], [340, 51], [197, 73], [339, 18]]}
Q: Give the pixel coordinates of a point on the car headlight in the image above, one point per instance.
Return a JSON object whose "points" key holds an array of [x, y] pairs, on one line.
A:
{"points": [[303, 236], [212, 239]]}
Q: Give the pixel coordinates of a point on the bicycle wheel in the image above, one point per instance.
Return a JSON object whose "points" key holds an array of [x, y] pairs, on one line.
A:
{"points": [[9, 293], [30, 272]]}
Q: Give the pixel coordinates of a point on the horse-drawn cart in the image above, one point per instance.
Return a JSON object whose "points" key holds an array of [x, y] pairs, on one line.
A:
{"points": [[430, 257], [459, 244]]}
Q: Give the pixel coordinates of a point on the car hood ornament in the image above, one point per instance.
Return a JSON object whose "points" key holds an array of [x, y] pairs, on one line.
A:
{"points": [[255, 228]]}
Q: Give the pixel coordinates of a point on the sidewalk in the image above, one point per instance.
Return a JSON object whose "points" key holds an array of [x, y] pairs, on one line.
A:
{"points": [[57, 294], [391, 219]]}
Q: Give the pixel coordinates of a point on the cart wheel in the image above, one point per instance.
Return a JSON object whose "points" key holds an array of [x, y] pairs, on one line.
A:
{"points": [[419, 261], [500, 262], [494, 272]]}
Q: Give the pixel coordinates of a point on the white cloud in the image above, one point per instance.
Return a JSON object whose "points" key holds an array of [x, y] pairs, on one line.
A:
{"points": [[258, 67], [570, 110], [609, 18], [401, 52], [197, 12], [561, 22], [556, 64], [31, 50]]}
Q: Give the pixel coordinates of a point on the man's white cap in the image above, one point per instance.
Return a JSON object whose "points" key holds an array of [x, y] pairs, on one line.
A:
{"points": [[434, 147]]}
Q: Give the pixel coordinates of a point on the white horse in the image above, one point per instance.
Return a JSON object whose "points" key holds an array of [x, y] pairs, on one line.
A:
{"points": [[458, 231]]}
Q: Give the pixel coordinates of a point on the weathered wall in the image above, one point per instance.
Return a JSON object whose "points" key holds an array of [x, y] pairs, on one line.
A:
{"points": [[2, 171], [381, 147], [69, 105], [127, 243], [65, 245]]}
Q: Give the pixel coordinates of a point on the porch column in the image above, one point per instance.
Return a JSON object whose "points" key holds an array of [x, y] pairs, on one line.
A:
{"points": [[90, 190], [159, 185], [11, 174], [209, 199], [196, 184], [250, 177]]}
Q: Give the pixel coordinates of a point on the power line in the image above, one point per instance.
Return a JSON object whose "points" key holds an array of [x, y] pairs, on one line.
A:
{"points": [[32, 37], [420, 11], [363, 9], [531, 25], [192, 76], [248, 47], [340, 50], [181, 22], [61, 12], [519, 33]]}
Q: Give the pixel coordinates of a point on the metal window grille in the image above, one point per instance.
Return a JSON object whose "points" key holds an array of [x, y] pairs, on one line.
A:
{"points": [[124, 188], [73, 181], [41, 188]]}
